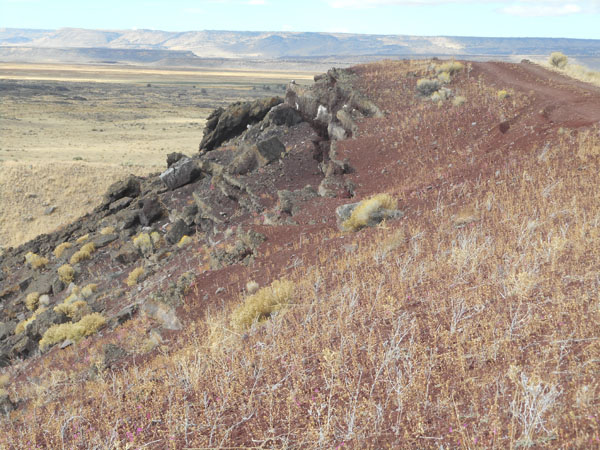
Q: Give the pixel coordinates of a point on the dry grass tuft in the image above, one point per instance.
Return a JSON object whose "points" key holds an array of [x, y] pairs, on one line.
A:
{"points": [[184, 241], [107, 230], [66, 273], [61, 248], [32, 301], [450, 67], [502, 94], [83, 253], [364, 212], [134, 276], [262, 304], [82, 239], [87, 326], [143, 242], [36, 261]]}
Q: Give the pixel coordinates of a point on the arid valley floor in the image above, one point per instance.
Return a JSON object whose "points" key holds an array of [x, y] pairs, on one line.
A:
{"points": [[68, 132]]}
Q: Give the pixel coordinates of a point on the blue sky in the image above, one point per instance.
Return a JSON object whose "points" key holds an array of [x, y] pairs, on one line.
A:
{"points": [[516, 18]]}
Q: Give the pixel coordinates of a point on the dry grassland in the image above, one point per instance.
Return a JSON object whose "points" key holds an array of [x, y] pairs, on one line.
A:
{"points": [[68, 132]]}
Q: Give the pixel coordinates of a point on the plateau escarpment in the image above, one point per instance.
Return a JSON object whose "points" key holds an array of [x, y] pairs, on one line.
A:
{"points": [[402, 255]]}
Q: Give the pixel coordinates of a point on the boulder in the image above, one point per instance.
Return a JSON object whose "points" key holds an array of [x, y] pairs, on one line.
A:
{"points": [[172, 158], [43, 284], [104, 239], [180, 173], [177, 231], [284, 115], [6, 406], [224, 124], [6, 329], [127, 254], [289, 201], [120, 204], [130, 187], [123, 315], [268, 151], [127, 219], [45, 320], [151, 210]]}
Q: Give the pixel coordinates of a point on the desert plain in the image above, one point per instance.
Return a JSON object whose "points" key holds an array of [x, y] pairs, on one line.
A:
{"points": [[68, 131]]}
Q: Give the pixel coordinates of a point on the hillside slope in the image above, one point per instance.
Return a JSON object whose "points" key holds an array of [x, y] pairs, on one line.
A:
{"points": [[467, 318]]}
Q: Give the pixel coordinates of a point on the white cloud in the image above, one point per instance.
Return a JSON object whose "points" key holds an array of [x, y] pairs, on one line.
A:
{"points": [[527, 8], [530, 10]]}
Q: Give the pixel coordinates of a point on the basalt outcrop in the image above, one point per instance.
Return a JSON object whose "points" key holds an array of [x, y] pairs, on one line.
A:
{"points": [[259, 163]]}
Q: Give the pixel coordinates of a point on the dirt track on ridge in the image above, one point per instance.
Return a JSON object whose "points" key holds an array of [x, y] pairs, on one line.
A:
{"points": [[564, 100]]}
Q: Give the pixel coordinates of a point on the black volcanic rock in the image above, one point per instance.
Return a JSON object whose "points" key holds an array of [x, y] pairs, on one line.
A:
{"points": [[224, 124]]}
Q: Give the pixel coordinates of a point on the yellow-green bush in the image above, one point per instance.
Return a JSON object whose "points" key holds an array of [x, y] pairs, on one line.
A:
{"points": [[35, 261], [88, 290], [66, 273], [426, 87], [61, 248], [134, 276], [143, 242], [502, 94], [450, 67], [366, 209], [22, 326], [458, 100], [87, 326], [75, 309], [184, 241], [444, 77], [558, 60], [32, 301], [260, 306], [107, 230], [85, 252]]}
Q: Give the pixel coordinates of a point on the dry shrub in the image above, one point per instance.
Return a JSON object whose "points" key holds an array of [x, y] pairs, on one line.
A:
{"points": [[88, 290], [83, 253], [22, 326], [450, 67], [365, 211], [558, 60], [32, 301], [66, 273], [87, 326], [35, 261], [252, 287], [184, 241], [107, 230], [61, 248], [444, 77], [261, 305], [426, 86], [134, 276], [459, 100], [502, 94], [82, 239], [143, 242], [73, 309]]}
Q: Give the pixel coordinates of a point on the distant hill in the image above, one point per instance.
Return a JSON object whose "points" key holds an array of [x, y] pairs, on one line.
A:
{"points": [[76, 44]]}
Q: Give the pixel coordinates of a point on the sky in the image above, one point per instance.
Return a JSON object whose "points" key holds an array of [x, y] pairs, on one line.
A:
{"points": [[501, 18]]}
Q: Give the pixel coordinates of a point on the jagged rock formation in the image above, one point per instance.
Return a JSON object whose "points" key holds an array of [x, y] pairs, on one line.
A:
{"points": [[278, 156]]}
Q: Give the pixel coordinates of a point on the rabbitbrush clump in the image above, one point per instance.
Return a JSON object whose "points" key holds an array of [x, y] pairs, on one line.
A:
{"points": [[261, 305], [87, 326], [365, 211]]}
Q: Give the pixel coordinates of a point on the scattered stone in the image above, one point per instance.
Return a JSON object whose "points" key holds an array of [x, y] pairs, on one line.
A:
{"points": [[189, 214], [162, 313], [42, 284], [284, 114], [49, 210], [127, 254], [120, 204], [151, 210], [44, 320], [6, 329], [123, 315], [289, 202], [6, 405], [177, 231], [268, 151], [44, 300], [113, 354], [172, 158], [127, 218], [180, 173], [104, 239], [130, 187], [243, 250]]}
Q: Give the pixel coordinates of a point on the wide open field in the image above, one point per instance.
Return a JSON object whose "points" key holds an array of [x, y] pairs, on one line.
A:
{"points": [[67, 132]]}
